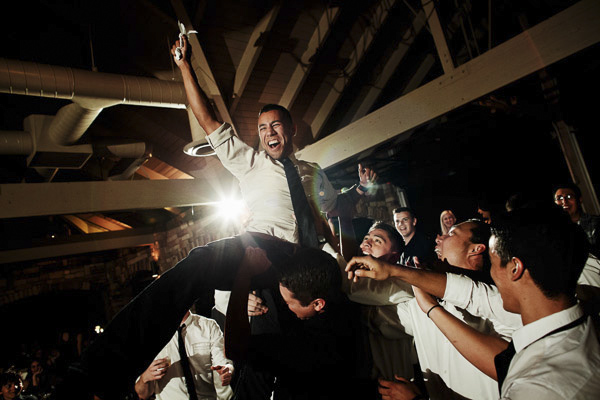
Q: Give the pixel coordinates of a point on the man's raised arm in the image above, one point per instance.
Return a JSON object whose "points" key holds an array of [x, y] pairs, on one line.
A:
{"points": [[198, 100]]}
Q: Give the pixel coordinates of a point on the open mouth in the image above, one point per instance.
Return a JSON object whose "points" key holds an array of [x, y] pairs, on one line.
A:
{"points": [[273, 143]]}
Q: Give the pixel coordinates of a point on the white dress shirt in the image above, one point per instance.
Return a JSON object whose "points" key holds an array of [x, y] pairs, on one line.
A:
{"points": [[564, 365], [204, 346], [265, 190], [482, 300], [447, 374], [264, 185]]}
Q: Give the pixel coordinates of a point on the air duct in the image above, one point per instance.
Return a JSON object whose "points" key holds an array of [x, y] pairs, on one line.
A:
{"points": [[49, 141]]}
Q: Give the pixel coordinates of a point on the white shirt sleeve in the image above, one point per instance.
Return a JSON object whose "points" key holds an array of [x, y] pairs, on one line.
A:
{"points": [[481, 300], [217, 354]]}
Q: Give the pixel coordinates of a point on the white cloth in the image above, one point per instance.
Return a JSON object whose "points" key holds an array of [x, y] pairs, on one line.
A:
{"points": [[265, 189], [447, 374], [204, 346], [560, 366], [591, 272], [481, 300]]}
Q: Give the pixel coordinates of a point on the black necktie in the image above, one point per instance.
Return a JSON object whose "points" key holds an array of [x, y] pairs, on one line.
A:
{"points": [[503, 359], [502, 362], [185, 365], [304, 217]]}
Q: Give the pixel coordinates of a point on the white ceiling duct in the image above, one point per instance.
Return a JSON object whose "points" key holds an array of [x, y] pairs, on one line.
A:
{"points": [[49, 141]]}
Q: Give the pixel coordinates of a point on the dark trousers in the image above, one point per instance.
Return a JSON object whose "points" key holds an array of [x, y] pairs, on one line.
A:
{"points": [[144, 326]]}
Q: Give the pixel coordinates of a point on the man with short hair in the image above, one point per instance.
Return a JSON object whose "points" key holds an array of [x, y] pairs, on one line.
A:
{"points": [[447, 374], [210, 370], [324, 338], [537, 257], [416, 243], [568, 197], [279, 220]]}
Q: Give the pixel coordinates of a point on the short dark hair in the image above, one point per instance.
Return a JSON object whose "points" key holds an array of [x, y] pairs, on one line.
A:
{"points": [[276, 107], [568, 185], [312, 274], [392, 233], [10, 377], [404, 209], [553, 248]]}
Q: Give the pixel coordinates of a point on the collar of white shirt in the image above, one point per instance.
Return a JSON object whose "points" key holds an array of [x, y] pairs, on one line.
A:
{"points": [[536, 330]]}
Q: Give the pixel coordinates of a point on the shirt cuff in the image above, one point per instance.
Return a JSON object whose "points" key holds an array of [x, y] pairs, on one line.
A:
{"points": [[220, 135], [458, 290]]}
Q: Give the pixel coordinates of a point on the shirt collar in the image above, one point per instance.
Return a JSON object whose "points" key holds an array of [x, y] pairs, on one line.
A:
{"points": [[188, 320], [533, 331]]}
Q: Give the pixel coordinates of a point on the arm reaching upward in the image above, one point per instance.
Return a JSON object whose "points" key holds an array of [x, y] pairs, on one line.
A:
{"points": [[198, 100]]}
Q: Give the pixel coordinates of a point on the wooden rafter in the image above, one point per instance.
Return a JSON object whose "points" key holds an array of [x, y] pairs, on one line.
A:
{"points": [[552, 40]]}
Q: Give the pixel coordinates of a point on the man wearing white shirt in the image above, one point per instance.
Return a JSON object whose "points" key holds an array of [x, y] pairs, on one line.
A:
{"points": [[146, 324], [447, 374], [537, 257], [211, 370]]}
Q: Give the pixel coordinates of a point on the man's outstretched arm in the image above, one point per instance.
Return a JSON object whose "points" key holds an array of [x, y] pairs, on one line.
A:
{"points": [[478, 348], [198, 100], [369, 267]]}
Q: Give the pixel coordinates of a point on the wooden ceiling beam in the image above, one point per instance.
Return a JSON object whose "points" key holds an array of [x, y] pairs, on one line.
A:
{"points": [[303, 68], [554, 39], [338, 86], [251, 54], [363, 104], [23, 200]]}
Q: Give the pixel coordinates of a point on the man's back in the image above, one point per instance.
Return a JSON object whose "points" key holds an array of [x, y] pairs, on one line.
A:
{"points": [[561, 365]]}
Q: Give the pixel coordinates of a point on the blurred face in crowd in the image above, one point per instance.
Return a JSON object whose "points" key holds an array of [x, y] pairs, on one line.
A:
{"points": [[11, 390], [455, 246], [565, 198], [448, 220], [405, 224], [377, 243]]}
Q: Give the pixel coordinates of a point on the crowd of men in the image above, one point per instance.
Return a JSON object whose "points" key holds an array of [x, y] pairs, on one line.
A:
{"points": [[495, 315]]}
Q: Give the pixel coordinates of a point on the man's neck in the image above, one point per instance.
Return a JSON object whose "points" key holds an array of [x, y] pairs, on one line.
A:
{"points": [[537, 306], [576, 216]]}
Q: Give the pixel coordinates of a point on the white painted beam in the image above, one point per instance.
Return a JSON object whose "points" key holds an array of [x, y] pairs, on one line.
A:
{"points": [[33, 199], [94, 242], [339, 84], [438, 36], [552, 40], [251, 54], [301, 71]]}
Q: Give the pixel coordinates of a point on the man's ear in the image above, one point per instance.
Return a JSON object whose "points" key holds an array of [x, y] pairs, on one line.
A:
{"points": [[479, 248], [294, 129], [516, 269], [415, 221], [319, 304]]}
